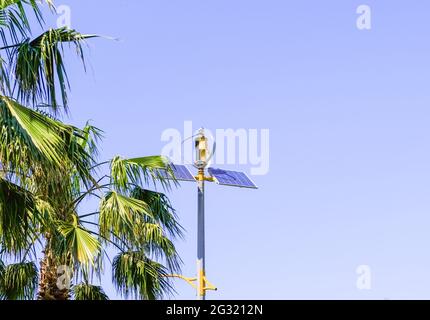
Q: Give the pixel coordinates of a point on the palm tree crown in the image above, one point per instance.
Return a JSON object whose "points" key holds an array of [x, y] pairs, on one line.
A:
{"points": [[48, 169]]}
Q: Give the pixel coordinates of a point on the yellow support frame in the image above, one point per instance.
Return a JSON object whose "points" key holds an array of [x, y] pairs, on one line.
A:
{"points": [[202, 288]]}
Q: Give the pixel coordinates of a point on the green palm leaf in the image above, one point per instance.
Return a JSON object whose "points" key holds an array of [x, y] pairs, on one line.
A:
{"points": [[39, 67], [161, 209], [18, 281], [88, 292], [2, 269], [152, 231], [120, 214], [13, 15], [136, 275], [29, 137], [4, 4], [151, 238], [43, 132], [137, 171], [79, 242], [16, 227]]}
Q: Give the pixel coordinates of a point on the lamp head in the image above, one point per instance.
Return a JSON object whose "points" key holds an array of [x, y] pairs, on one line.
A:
{"points": [[202, 150]]}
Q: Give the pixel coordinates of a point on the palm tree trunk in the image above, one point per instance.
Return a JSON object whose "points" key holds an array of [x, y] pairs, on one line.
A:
{"points": [[50, 285]]}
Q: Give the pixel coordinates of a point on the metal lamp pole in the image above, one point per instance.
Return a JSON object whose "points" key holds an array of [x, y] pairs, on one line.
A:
{"points": [[201, 143], [221, 177]]}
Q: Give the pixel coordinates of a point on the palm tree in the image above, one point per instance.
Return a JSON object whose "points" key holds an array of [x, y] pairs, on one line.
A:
{"points": [[138, 222], [48, 168]]}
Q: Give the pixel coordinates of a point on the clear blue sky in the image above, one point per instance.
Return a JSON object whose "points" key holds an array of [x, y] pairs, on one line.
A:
{"points": [[348, 113]]}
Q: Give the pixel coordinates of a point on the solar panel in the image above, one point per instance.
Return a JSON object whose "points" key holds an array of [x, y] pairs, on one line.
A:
{"points": [[180, 172], [231, 178]]}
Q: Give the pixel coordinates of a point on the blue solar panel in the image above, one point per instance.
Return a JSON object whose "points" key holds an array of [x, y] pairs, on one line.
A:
{"points": [[180, 172], [231, 178]]}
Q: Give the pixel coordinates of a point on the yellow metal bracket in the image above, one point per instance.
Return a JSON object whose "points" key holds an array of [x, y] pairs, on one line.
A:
{"points": [[209, 286], [191, 281], [203, 178]]}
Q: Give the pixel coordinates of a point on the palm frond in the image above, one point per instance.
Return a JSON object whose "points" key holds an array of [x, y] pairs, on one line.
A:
{"points": [[13, 15], [16, 225], [151, 239], [19, 282], [161, 209], [2, 269], [137, 171], [91, 137], [38, 66], [135, 275], [79, 242], [120, 214], [29, 137], [88, 292], [5, 4], [151, 232]]}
